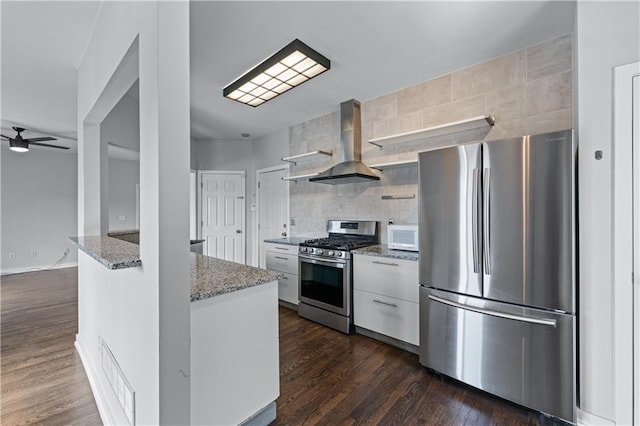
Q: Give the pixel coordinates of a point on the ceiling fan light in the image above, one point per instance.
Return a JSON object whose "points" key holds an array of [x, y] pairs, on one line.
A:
{"points": [[293, 64], [18, 146]]}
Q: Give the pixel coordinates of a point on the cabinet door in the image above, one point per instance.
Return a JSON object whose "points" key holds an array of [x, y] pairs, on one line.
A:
{"points": [[282, 262], [386, 276], [288, 288], [392, 317]]}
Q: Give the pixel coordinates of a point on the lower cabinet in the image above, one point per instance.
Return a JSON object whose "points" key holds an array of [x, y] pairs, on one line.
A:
{"points": [[386, 296], [284, 258]]}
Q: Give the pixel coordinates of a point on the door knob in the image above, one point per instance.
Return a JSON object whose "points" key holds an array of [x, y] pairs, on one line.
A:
{"points": [[238, 231], [284, 234]]}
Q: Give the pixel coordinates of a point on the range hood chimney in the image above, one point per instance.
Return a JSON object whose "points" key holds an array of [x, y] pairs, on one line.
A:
{"points": [[350, 169]]}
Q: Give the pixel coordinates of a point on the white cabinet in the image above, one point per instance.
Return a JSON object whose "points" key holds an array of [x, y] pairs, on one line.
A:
{"points": [[284, 258], [385, 296]]}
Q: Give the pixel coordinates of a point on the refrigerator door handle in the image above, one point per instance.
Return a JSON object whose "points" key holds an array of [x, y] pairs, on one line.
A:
{"points": [[475, 217], [533, 320], [485, 218]]}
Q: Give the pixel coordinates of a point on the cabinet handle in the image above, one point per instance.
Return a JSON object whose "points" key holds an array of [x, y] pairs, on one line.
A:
{"points": [[281, 258], [281, 248], [384, 263], [385, 303], [285, 277]]}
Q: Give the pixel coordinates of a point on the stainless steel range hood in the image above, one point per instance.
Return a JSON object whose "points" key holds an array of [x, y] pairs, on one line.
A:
{"points": [[350, 169]]}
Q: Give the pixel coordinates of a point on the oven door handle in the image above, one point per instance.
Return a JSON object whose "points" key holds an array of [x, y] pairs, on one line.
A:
{"points": [[339, 263]]}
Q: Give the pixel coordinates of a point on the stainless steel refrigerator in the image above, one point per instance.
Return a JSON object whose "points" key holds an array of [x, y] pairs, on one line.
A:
{"points": [[497, 268]]}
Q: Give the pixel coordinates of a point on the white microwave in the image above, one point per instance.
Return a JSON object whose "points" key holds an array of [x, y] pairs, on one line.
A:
{"points": [[402, 237]]}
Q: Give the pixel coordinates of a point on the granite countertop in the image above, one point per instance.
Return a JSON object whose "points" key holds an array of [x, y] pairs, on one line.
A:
{"points": [[113, 253], [291, 241], [211, 277], [382, 250]]}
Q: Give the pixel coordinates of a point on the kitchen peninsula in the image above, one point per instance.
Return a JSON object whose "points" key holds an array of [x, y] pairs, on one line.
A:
{"points": [[234, 333]]}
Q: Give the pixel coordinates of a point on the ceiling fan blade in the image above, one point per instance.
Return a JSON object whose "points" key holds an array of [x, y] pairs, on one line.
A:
{"points": [[47, 145], [46, 138], [6, 137]]}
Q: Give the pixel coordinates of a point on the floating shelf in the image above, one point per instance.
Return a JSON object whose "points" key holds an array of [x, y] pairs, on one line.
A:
{"points": [[306, 155], [394, 164], [480, 122], [295, 178]]}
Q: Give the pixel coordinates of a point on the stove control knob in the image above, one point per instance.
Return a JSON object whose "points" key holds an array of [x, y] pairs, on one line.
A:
{"points": [[304, 249], [330, 253], [319, 251], [339, 254]]}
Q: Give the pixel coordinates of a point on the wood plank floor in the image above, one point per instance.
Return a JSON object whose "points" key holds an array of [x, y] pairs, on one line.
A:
{"points": [[326, 377], [43, 381]]}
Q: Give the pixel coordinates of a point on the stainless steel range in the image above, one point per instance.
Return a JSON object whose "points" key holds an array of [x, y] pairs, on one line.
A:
{"points": [[325, 278]]}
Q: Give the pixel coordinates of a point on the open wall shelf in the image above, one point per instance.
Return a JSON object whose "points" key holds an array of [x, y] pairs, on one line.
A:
{"points": [[296, 178], [480, 122], [394, 164], [306, 156]]}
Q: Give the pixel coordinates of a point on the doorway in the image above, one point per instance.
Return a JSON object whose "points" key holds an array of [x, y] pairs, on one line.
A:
{"points": [[272, 205], [627, 242], [222, 214]]}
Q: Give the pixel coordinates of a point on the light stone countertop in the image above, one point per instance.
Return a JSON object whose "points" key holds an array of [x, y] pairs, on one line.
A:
{"points": [[210, 276], [111, 252], [382, 250], [291, 241]]}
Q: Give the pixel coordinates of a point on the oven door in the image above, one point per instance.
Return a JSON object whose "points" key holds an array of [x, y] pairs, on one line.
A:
{"points": [[325, 284]]}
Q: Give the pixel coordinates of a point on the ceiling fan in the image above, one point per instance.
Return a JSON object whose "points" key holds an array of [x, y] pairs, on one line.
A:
{"points": [[20, 144]]}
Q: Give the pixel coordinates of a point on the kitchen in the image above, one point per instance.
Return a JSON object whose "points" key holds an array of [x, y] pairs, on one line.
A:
{"points": [[378, 113]]}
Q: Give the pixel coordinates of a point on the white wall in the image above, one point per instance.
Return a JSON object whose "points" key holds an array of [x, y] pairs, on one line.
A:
{"points": [[242, 154], [123, 177], [142, 313], [607, 35], [39, 190], [121, 126]]}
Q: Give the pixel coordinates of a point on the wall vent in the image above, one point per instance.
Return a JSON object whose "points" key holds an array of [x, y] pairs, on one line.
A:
{"points": [[119, 384]]}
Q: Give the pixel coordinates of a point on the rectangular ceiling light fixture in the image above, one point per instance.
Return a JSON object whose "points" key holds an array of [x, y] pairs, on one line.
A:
{"points": [[292, 65]]}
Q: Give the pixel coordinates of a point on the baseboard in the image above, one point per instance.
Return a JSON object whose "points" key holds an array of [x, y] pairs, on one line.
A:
{"points": [[587, 419], [12, 271], [97, 388], [262, 417]]}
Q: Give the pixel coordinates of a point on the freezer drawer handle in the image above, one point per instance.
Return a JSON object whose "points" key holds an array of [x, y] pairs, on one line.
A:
{"points": [[541, 321], [281, 248], [384, 263], [281, 258], [385, 303]]}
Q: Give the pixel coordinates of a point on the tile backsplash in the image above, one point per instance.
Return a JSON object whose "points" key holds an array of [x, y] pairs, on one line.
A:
{"points": [[527, 92]]}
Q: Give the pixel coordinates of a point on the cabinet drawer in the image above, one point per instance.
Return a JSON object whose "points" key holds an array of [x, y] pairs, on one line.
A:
{"points": [[282, 262], [386, 315], [390, 277], [281, 248], [288, 288]]}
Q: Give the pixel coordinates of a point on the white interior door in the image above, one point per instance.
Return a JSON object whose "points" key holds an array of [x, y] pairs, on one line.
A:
{"points": [[222, 208], [273, 206]]}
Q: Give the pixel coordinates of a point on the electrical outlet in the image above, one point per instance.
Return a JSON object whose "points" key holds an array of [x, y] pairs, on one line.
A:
{"points": [[12, 255], [293, 221], [34, 253], [122, 218]]}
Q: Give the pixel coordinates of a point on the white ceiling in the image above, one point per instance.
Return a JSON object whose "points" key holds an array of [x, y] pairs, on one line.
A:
{"points": [[374, 47]]}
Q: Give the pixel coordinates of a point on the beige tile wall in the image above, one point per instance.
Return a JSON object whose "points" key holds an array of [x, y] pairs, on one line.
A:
{"points": [[527, 92]]}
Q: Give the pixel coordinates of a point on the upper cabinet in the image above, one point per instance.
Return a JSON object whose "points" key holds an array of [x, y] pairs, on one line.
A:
{"points": [[474, 123]]}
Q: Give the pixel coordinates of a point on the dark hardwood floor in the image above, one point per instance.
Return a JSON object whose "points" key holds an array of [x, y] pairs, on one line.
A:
{"points": [[326, 377], [43, 381]]}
